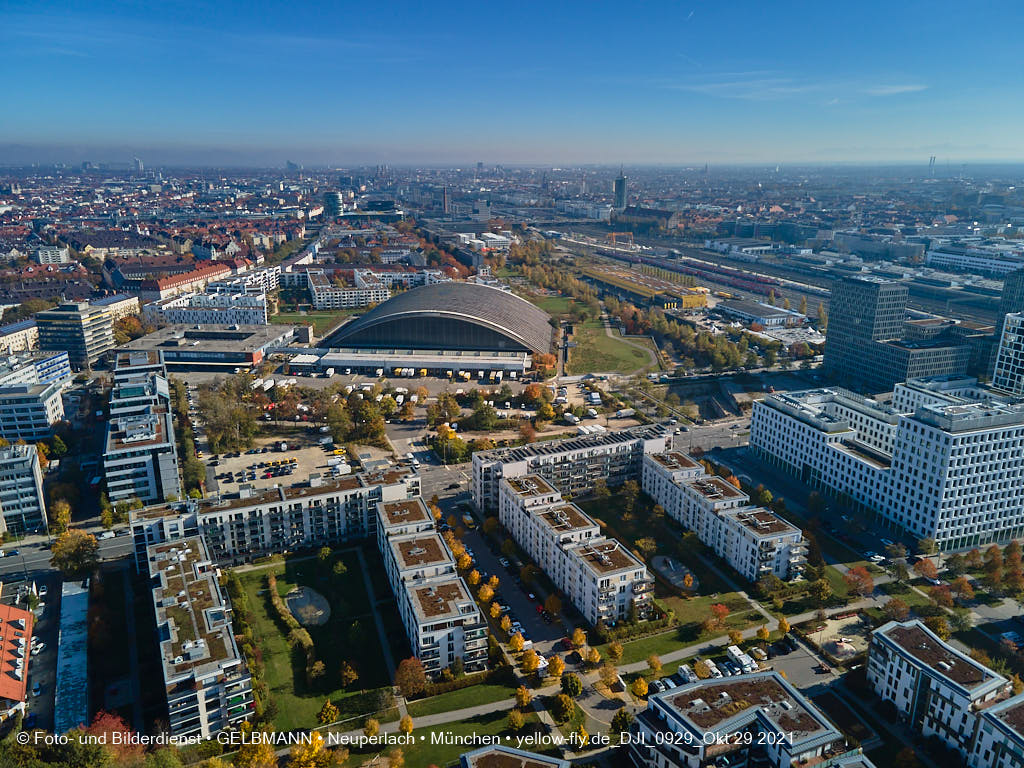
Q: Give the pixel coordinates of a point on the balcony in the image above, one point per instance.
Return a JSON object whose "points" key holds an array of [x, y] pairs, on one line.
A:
{"points": [[639, 587]]}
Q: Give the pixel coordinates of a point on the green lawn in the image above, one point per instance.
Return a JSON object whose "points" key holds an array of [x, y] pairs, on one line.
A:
{"points": [[337, 641], [553, 305], [596, 351], [473, 696], [322, 321]]}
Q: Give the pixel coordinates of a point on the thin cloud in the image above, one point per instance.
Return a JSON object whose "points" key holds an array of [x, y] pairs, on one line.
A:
{"points": [[894, 90]]}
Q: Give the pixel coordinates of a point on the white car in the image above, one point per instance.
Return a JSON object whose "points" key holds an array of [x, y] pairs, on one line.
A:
{"points": [[43, 590], [38, 648]]}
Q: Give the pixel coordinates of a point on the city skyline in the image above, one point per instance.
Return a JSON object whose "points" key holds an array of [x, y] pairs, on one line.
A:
{"points": [[676, 84]]}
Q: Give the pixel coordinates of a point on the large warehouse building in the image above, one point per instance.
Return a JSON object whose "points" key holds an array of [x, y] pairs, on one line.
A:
{"points": [[465, 316]]}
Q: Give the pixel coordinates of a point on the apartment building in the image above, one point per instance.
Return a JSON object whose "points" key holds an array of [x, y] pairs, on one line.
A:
{"points": [[571, 465], [31, 384], [326, 295], [119, 305], [22, 509], [440, 616], [206, 682], [258, 281], [599, 576], [51, 254], [250, 523], [15, 633], [942, 460], [754, 719], [1008, 375], [754, 541], [21, 336], [944, 693], [84, 331], [209, 309]]}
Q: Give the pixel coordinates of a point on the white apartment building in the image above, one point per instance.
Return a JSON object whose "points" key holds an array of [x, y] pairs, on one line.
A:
{"points": [[51, 254], [21, 336], [571, 465], [209, 309], [22, 509], [1008, 375], [598, 575], [441, 618], [697, 725], [251, 523], [943, 460], [326, 295], [942, 692], [754, 541], [206, 682], [258, 281]]}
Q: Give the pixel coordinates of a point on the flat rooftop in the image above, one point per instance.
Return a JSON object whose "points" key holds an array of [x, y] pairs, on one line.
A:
{"points": [[674, 460], [764, 523], [404, 512], [936, 655], [210, 337], [530, 486], [607, 557], [136, 357], [876, 459], [418, 550], [137, 431], [579, 443], [500, 756], [442, 599], [716, 489], [194, 624], [565, 518], [707, 705]]}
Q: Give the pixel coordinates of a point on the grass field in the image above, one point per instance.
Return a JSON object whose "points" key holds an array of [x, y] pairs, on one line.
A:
{"points": [[553, 305], [349, 635], [596, 351], [322, 321], [474, 696]]}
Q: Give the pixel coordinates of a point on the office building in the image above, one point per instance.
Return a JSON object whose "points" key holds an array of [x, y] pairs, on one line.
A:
{"points": [[209, 309], [206, 682], [140, 459], [571, 465], [754, 541], [85, 332], [599, 576], [865, 346], [700, 724], [333, 205], [16, 627], [251, 523], [31, 384], [441, 618], [619, 190], [943, 460], [944, 694], [21, 491], [1008, 375]]}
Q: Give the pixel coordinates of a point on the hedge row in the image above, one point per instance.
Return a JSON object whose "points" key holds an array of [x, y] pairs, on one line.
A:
{"points": [[243, 620], [298, 636], [502, 674]]}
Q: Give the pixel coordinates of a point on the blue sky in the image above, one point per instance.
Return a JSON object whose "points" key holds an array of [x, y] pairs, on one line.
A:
{"points": [[556, 82]]}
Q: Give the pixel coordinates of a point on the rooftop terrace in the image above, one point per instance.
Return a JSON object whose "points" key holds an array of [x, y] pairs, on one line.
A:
{"points": [[530, 486], [443, 598], [607, 557], [405, 512]]}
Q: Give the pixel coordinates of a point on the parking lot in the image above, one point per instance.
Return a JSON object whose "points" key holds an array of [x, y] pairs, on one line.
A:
{"points": [[42, 665], [265, 465]]}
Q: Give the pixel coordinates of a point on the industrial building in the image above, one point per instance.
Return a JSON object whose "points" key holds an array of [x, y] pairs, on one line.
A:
{"points": [[214, 347]]}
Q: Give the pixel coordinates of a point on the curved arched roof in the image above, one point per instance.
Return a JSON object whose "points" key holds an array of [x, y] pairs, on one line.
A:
{"points": [[491, 308]]}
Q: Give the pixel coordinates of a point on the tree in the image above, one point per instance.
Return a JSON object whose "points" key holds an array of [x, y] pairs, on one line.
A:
{"points": [[530, 661], [328, 713], [735, 637], [254, 752], [464, 562], [371, 728], [859, 581], [556, 666], [608, 674], [927, 546], [940, 626], [719, 613], [702, 670], [515, 721], [639, 688], [495, 609], [112, 731], [821, 591], [896, 610], [630, 492], [562, 707], [506, 623], [941, 596], [405, 725], [763, 634], [523, 697], [74, 553], [571, 684], [579, 638], [553, 605], [515, 643], [973, 559], [60, 516], [485, 593], [688, 582], [593, 657], [654, 664], [926, 569], [962, 589], [601, 489], [410, 677], [615, 650], [348, 674], [339, 568], [647, 546], [318, 670], [783, 625]]}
